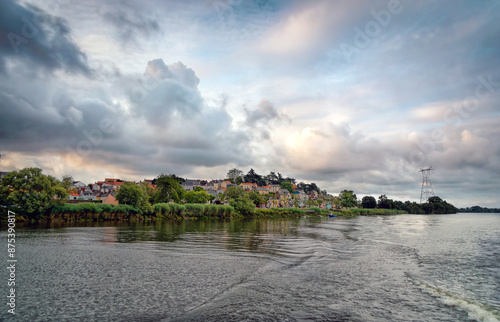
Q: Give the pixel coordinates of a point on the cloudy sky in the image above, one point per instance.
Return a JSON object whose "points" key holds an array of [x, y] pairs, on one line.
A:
{"points": [[347, 94]]}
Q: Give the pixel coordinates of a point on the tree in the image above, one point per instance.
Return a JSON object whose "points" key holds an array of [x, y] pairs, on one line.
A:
{"points": [[243, 204], [435, 199], [368, 202], [131, 194], [436, 205], [168, 189], [287, 185], [253, 177], [385, 203], [348, 198], [256, 198], [234, 173], [31, 191], [233, 192], [200, 196], [149, 191], [67, 182], [271, 178]]}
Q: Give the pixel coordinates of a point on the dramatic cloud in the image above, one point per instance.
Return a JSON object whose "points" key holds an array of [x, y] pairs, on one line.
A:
{"points": [[32, 36], [348, 94]]}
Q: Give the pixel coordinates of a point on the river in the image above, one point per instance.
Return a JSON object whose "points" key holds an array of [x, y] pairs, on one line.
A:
{"points": [[391, 268]]}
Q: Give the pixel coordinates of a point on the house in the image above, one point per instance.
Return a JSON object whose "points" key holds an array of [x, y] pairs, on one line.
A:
{"points": [[210, 186], [190, 184], [103, 195], [73, 196], [274, 188], [285, 198], [248, 186], [313, 195], [82, 195], [79, 184], [273, 203], [264, 190], [224, 184], [110, 200]]}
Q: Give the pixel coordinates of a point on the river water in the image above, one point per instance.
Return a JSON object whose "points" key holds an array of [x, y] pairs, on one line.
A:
{"points": [[394, 268]]}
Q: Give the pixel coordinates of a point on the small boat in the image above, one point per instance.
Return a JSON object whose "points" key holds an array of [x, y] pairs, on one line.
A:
{"points": [[332, 215]]}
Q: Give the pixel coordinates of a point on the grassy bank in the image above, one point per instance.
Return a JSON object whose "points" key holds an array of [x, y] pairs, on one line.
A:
{"points": [[105, 212]]}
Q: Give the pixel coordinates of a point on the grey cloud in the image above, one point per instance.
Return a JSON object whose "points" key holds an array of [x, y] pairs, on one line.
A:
{"points": [[31, 35], [168, 91], [157, 70], [131, 20], [176, 130], [264, 113]]}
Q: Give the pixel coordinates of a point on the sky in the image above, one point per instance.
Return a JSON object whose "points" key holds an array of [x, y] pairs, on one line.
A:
{"points": [[356, 95]]}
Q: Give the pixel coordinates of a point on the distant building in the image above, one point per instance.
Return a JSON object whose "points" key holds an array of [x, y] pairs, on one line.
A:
{"points": [[248, 186], [264, 190], [274, 188], [79, 184], [110, 200]]}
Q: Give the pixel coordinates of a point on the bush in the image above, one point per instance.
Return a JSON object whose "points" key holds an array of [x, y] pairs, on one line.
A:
{"points": [[93, 211]]}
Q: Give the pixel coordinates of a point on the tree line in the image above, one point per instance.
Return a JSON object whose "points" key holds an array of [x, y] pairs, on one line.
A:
{"points": [[237, 176], [478, 209]]}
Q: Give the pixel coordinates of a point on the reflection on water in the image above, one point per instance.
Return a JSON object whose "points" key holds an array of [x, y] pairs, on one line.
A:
{"points": [[333, 269]]}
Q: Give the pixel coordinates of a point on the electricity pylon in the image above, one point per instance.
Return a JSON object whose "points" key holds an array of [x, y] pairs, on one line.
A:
{"points": [[427, 190]]}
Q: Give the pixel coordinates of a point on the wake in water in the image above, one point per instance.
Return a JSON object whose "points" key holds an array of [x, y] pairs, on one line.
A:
{"points": [[474, 309]]}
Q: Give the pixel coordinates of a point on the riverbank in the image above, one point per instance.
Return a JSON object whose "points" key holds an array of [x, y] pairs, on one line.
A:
{"points": [[96, 212]]}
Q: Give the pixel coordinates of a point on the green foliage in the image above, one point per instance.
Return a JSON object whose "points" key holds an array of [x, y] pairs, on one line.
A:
{"points": [[94, 212], [242, 204], [368, 202], [233, 174], [197, 196], [479, 209], [287, 185], [253, 177], [256, 198], [308, 188], [168, 189], [67, 182], [377, 212], [233, 193], [149, 191], [133, 195], [31, 191], [130, 194], [171, 210], [385, 203], [436, 205], [348, 199]]}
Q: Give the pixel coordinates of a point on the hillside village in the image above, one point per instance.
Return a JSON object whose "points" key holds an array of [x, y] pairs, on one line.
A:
{"points": [[274, 195]]}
